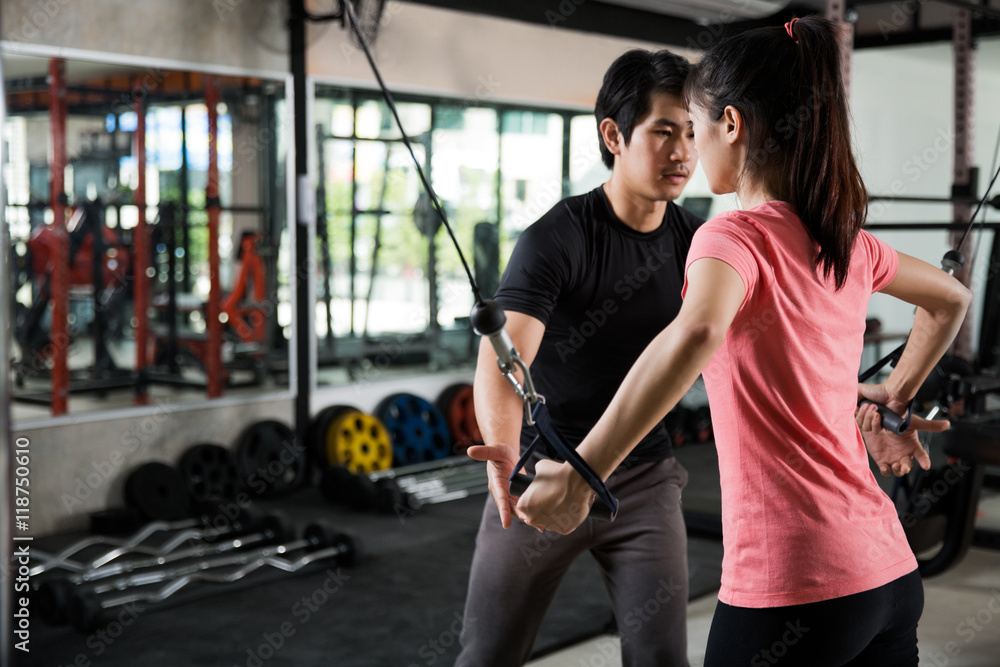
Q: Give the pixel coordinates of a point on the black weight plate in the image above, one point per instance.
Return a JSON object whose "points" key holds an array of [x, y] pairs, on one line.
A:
{"points": [[221, 516], [52, 600], [158, 492], [276, 529], [333, 484], [118, 521], [85, 612], [352, 549], [388, 498], [209, 471], [320, 536], [362, 494], [271, 460]]}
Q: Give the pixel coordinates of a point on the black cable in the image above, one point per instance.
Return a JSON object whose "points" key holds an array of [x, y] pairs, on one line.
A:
{"points": [[972, 220], [348, 11]]}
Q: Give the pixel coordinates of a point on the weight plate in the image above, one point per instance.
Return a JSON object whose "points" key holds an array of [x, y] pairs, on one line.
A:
{"points": [[361, 492], [119, 521], [209, 471], [85, 612], [316, 433], [158, 492], [456, 404], [52, 599], [271, 460], [351, 549], [319, 536], [358, 441], [388, 496], [417, 428], [223, 516], [333, 484]]}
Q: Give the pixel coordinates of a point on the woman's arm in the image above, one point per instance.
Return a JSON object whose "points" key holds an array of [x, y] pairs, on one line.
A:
{"points": [[559, 498], [941, 302], [941, 305]]}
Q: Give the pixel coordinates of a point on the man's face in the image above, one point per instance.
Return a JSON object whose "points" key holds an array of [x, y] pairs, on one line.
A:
{"points": [[658, 161]]}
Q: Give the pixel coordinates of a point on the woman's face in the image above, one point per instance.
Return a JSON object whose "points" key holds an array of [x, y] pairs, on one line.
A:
{"points": [[718, 157]]}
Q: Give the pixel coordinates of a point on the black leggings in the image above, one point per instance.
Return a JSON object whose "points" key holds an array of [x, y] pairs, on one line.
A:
{"points": [[876, 627]]}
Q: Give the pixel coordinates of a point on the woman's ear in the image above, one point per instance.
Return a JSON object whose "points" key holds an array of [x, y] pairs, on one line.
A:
{"points": [[733, 119], [611, 136]]}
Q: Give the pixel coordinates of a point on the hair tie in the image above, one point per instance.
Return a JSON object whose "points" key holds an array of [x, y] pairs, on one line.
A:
{"points": [[788, 29]]}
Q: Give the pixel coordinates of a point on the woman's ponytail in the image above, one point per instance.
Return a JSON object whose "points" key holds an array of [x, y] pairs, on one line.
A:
{"points": [[787, 84]]}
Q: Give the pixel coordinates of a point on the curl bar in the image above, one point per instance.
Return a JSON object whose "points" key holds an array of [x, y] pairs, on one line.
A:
{"points": [[87, 611], [54, 595], [197, 528]]}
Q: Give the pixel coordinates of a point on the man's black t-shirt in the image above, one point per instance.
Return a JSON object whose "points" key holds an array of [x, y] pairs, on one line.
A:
{"points": [[604, 291]]}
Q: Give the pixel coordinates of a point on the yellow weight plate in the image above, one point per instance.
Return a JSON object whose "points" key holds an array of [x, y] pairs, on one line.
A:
{"points": [[359, 442]]}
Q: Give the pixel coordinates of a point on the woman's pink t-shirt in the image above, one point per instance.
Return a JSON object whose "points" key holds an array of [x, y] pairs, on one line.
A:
{"points": [[803, 517]]}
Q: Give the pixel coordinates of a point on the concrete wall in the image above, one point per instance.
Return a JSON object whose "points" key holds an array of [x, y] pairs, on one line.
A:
{"points": [[424, 49], [418, 48], [247, 34]]}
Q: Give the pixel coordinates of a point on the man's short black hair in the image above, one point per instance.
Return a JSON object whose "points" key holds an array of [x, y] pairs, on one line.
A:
{"points": [[629, 85]]}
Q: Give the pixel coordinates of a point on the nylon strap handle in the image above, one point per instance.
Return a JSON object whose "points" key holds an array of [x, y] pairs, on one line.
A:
{"points": [[548, 434]]}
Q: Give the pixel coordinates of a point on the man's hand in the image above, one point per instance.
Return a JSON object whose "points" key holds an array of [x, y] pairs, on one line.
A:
{"points": [[502, 459], [558, 499], [893, 454]]}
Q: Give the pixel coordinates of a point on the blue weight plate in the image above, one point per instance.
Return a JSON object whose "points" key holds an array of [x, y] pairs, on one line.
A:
{"points": [[417, 428]]}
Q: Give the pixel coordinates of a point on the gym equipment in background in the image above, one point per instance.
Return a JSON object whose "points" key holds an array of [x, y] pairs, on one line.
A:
{"points": [[417, 428]]}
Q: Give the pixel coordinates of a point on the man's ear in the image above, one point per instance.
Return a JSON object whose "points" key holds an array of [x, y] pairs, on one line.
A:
{"points": [[735, 128], [611, 136]]}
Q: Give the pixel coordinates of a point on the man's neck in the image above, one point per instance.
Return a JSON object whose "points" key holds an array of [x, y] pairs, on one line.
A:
{"points": [[638, 212]]}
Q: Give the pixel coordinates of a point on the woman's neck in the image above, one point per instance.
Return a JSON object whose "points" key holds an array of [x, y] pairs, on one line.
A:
{"points": [[751, 196]]}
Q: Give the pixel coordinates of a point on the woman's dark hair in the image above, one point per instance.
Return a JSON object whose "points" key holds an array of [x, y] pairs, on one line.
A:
{"points": [[628, 87], [790, 93]]}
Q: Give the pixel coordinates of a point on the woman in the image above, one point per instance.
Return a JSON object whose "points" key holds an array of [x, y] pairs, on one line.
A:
{"points": [[816, 570]]}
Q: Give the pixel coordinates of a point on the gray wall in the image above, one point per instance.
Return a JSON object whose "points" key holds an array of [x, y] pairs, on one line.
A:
{"points": [[248, 34]]}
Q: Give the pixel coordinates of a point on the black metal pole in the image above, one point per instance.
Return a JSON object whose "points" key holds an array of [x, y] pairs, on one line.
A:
{"points": [[183, 184], [168, 222], [305, 201], [323, 234], [103, 363]]}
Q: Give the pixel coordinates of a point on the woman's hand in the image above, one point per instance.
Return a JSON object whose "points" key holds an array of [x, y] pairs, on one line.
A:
{"points": [[893, 454], [558, 499]]}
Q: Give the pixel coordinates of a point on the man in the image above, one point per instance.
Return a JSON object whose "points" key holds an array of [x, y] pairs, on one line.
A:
{"points": [[588, 286]]}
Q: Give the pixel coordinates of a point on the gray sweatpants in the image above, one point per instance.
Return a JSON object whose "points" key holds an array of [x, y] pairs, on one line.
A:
{"points": [[643, 560]]}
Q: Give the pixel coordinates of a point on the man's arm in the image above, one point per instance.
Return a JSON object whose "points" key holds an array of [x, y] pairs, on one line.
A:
{"points": [[499, 410]]}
